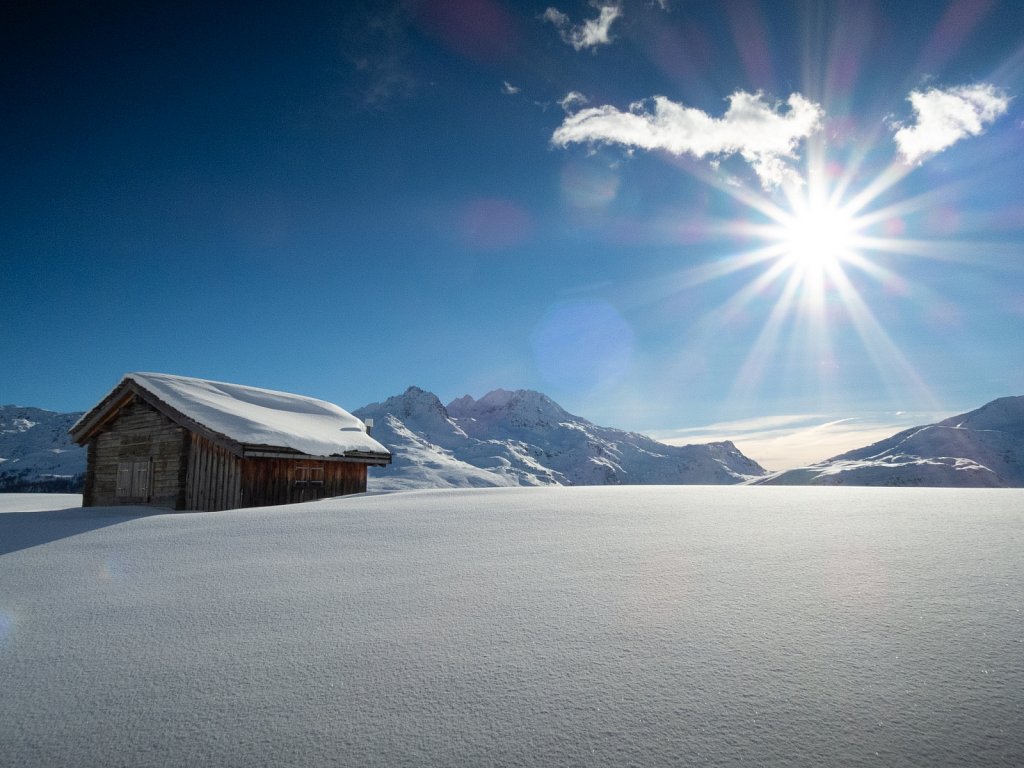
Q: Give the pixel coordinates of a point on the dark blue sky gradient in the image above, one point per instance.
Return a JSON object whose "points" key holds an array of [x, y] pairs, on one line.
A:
{"points": [[339, 200]]}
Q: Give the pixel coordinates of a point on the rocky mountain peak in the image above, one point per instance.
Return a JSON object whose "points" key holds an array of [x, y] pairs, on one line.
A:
{"points": [[414, 401], [419, 410], [520, 407], [523, 437]]}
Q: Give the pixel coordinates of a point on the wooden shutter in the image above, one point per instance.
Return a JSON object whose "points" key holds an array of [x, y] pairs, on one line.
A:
{"points": [[124, 478], [140, 481]]}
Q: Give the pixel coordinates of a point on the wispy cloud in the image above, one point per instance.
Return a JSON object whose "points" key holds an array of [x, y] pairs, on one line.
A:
{"points": [[943, 117], [572, 100], [794, 440], [591, 32], [377, 45], [763, 133], [508, 89]]}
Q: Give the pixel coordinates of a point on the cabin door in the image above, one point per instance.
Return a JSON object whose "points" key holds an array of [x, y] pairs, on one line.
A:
{"points": [[309, 483]]}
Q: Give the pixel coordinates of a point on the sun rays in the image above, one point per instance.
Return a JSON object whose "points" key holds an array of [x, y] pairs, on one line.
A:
{"points": [[821, 248], [819, 255]]}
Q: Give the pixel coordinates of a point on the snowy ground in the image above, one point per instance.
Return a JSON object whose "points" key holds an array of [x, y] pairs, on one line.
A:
{"points": [[38, 502], [548, 626]]}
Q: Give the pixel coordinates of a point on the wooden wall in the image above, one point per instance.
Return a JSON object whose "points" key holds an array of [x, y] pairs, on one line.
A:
{"points": [[217, 479], [214, 478], [138, 433], [275, 481], [188, 471]]}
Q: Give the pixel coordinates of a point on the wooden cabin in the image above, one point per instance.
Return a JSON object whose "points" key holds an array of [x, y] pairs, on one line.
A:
{"points": [[191, 444]]}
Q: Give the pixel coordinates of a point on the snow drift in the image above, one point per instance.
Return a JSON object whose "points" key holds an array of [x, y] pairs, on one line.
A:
{"points": [[650, 626]]}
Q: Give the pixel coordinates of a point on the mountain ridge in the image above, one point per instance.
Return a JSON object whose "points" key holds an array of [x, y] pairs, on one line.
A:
{"points": [[981, 448], [36, 451], [523, 437]]}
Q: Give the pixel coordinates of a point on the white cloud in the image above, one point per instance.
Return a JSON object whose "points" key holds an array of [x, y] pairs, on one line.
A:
{"points": [[508, 89], [556, 17], [943, 117], [760, 132], [590, 33], [572, 100]]}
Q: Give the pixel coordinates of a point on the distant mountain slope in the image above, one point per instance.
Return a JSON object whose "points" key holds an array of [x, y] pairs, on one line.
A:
{"points": [[36, 452], [983, 448], [525, 438]]}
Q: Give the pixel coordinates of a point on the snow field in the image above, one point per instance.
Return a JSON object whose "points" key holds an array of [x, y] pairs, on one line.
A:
{"points": [[520, 626]]}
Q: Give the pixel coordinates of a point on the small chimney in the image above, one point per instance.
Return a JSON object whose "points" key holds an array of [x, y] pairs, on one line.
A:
{"points": [[369, 425]]}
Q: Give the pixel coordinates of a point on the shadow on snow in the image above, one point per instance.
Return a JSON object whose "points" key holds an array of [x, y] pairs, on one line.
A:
{"points": [[21, 530]]}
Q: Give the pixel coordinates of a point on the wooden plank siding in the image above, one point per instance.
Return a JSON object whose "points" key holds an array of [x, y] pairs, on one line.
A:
{"points": [[139, 433], [212, 481], [217, 479], [89, 491], [276, 481]]}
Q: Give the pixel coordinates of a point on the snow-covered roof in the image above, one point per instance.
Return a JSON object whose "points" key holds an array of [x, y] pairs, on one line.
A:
{"points": [[250, 416]]}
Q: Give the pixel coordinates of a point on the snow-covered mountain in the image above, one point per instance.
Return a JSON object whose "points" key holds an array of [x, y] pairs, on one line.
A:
{"points": [[36, 452], [525, 438], [982, 448]]}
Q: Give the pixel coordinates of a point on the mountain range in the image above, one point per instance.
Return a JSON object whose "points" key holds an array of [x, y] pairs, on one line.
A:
{"points": [[525, 438], [36, 452], [983, 448]]}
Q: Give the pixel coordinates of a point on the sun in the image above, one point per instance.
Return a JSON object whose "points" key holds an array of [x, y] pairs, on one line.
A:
{"points": [[816, 255], [821, 254], [816, 234]]}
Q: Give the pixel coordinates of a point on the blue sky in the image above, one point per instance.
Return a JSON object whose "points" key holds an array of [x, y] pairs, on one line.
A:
{"points": [[762, 221]]}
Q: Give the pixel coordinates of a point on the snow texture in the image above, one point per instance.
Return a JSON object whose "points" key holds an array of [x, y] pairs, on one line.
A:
{"points": [[980, 449], [523, 437], [262, 417], [653, 626]]}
